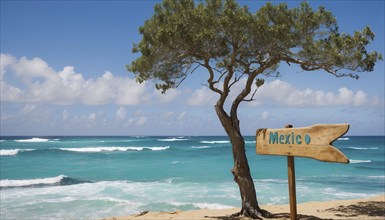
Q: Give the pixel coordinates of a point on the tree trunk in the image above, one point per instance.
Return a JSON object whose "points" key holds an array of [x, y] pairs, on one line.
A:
{"points": [[241, 170]]}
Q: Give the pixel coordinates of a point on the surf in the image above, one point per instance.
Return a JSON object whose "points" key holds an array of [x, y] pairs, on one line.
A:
{"points": [[112, 149], [49, 181], [33, 140], [13, 152]]}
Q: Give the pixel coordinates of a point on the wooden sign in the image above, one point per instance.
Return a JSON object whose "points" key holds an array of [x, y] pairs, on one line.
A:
{"points": [[312, 142]]}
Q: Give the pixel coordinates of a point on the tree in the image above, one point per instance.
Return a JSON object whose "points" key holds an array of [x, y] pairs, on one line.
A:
{"points": [[235, 46]]}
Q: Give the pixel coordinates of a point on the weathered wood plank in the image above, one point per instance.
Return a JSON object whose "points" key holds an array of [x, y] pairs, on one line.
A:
{"points": [[312, 142]]}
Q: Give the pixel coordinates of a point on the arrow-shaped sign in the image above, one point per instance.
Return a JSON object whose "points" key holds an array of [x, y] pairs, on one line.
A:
{"points": [[313, 142]]}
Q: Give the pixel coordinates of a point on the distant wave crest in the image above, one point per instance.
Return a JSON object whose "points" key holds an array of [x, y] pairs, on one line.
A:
{"points": [[110, 149], [360, 161], [33, 140], [201, 205], [57, 180], [201, 147], [363, 148], [215, 142], [343, 139], [173, 139], [12, 152]]}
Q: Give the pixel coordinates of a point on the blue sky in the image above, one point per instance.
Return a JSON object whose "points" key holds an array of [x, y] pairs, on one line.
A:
{"points": [[63, 73]]}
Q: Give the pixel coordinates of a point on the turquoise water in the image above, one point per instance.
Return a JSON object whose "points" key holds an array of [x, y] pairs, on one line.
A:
{"points": [[96, 177]]}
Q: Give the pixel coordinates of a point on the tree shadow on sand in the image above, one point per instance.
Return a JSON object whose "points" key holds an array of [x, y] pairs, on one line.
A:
{"points": [[274, 216], [369, 209]]}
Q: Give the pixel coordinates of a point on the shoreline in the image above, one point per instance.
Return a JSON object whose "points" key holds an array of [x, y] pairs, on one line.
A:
{"points": [[365, 209]]}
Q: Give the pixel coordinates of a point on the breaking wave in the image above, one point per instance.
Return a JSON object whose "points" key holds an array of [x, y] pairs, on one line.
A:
{"points": [[360, 161], [57, 180], [111, 149], [363, 148], [33, 140], [12, 152], [173, 139], [215, 142], [201, 147]]}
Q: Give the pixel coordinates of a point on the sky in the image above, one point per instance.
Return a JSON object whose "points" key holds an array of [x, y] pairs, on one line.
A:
{"points": [[63, 72]]}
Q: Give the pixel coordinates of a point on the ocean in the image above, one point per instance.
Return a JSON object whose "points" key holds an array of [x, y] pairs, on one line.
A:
{"points": [[97, 177]]}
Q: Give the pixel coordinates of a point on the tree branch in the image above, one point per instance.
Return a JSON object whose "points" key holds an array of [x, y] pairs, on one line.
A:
{"points": [[186, 74], [252, 96], [236, 79], [211, 78], [246, 91], [311, 66]]}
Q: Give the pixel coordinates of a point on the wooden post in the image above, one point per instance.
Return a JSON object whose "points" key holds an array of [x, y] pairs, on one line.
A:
{"points": [[291, 180], [292, 193]]}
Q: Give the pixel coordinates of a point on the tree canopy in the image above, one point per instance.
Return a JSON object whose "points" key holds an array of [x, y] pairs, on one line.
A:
{"points": [[182, 36], [236, 46]]}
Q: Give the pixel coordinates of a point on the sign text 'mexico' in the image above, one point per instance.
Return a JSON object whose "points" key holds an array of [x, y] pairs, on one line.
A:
{"points": [[313, 142], [291, 138]]}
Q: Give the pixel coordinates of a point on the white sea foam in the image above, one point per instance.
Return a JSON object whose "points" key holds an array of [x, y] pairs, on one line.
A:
{"points": [[201, 147], [271, 181], [110, 149], [173, 139], [346, 195], [215, 142], [111, 199], [206, 205], [30, 182], [9, 152], [360, 161], [377, 177], [55, 140], [33, 140], [250, 142], [363, 148], [343, 139], [12, 152], [202, 205]]}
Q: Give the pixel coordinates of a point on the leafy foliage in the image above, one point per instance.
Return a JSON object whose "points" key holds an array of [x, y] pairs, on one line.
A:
{"points": [[231, 42]]}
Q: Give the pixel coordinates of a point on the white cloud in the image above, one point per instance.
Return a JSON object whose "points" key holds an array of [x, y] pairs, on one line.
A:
{"points": [[167, 97], [38, 82], [34, 69], [167, 114], [141, 121], [9, 93], [360, 98], [182, 115], [202, 96], [65, 115], [282, 93], [264, 116], [27, 109], [121, 113], [5, 62], [92, 117]]}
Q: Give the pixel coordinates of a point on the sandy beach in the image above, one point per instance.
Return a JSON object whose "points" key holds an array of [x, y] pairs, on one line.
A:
{"points": [[370, 208]]}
